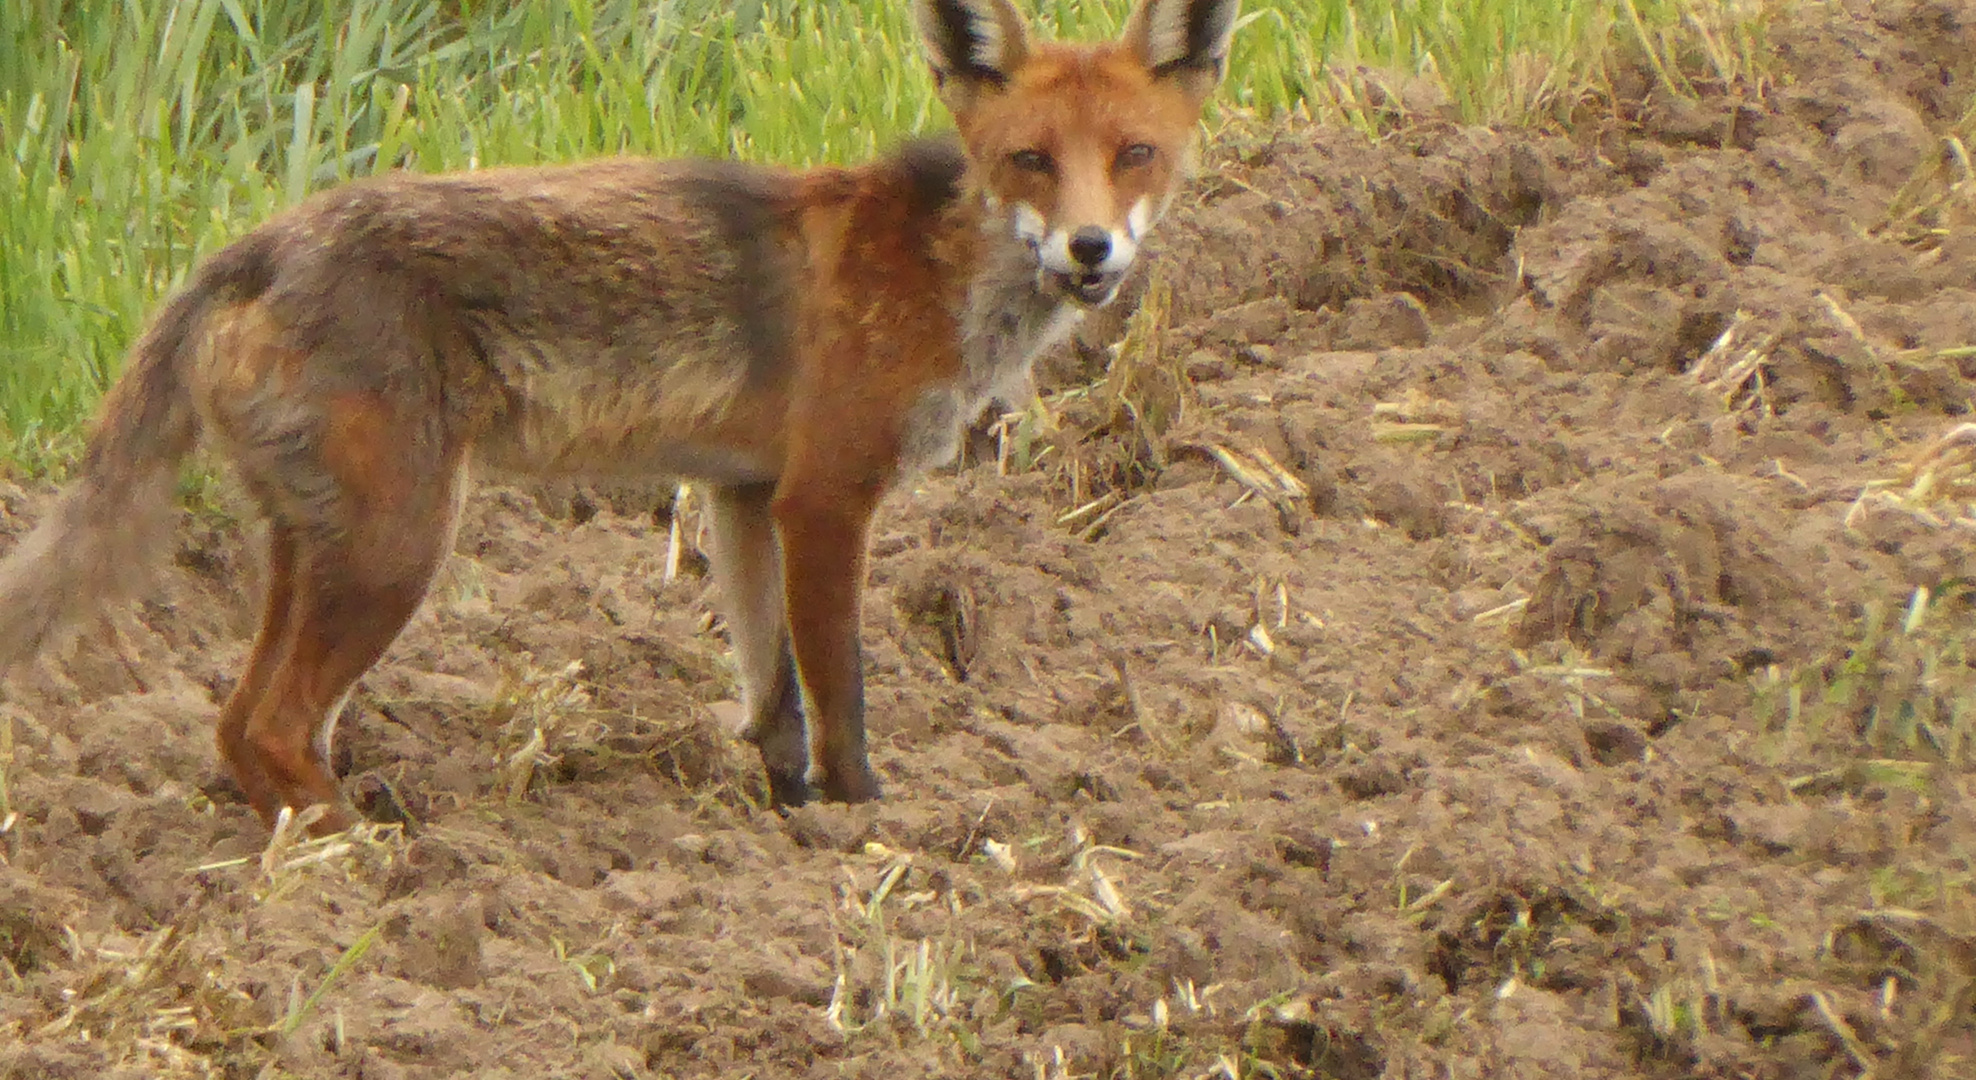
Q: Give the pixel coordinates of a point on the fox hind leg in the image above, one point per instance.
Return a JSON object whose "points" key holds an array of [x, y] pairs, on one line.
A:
{"points": [[342, 615], [261, 663], [747, 565], [364, 512]]}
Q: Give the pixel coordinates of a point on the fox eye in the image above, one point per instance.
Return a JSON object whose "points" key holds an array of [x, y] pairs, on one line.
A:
{"points": [[1135, 155], [1035, 161]]}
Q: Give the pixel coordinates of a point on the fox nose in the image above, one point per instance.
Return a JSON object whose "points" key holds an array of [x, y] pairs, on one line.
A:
{"points": [[1090, 245]]}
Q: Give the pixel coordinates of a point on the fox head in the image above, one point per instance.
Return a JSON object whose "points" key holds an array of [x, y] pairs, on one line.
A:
{"points": [[1081, 146]]}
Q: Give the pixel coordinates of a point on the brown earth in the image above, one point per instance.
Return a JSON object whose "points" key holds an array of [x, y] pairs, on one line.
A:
{"points": [[1558, 712]]}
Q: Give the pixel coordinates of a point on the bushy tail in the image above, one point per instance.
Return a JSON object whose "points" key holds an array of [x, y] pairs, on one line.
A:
{"points": [[101, 538]]}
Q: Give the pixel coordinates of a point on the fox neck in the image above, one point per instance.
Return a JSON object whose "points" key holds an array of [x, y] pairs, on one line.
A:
{"points": [[1009, 316], [1004, 317]]}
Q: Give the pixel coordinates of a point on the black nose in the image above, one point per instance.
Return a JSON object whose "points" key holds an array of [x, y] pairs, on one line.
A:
{"points": [[1090, 245]]}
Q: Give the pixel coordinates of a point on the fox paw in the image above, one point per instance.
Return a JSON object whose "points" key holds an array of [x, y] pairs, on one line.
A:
{"points": [[786, 791], [852, 784]]}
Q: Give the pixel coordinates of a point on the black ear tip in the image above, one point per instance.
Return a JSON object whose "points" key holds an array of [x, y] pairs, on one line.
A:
{"points": [[1212, 20]]}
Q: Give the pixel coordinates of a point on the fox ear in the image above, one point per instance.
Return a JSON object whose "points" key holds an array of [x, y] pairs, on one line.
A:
{"points": [[972, 45], [1184, 40]]}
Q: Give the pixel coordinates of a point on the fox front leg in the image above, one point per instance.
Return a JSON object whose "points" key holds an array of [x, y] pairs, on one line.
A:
{"points": [[823, 530], [747, 564]]}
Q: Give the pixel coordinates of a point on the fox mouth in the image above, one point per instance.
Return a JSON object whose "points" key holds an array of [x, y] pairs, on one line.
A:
{"points": [[1092, 288]]}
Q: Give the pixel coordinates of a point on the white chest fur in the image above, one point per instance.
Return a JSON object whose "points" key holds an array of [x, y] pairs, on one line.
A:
{"points": [[1008, 322]]}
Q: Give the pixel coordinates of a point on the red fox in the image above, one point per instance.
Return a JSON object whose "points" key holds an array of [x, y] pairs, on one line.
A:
{"points": [[797, 341]]}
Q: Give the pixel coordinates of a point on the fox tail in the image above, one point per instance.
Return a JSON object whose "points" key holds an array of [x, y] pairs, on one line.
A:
{"points": [[99, 541]]}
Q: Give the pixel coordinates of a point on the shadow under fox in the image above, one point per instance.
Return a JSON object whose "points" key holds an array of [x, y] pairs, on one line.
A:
{"points": [[796, 340]]}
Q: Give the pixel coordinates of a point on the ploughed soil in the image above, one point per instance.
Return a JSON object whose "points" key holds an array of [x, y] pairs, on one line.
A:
{"points": [[1503, 612]]}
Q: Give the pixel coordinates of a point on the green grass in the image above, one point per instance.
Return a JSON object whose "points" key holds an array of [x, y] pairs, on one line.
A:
{"points": [[136, 135], [1896, 698]]}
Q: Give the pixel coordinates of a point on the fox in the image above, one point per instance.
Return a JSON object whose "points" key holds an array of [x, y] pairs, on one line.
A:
{"points": [[794, 342]]}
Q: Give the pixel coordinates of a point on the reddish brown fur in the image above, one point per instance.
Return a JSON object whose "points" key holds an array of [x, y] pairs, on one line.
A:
{"points": [[1104, 99], [796, 340]]}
